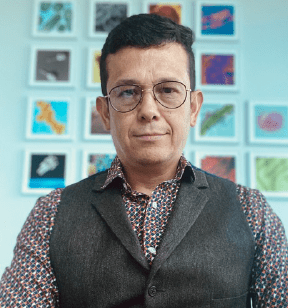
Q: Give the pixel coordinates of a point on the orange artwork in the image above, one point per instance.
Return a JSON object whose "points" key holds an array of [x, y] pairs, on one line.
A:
{"points": [[172, 11], [48, 115]]}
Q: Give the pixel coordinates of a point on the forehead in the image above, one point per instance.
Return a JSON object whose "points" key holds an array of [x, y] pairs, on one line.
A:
{"points": [[148, 65]]}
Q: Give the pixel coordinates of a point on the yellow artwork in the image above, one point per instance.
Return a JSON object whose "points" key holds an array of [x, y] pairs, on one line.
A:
{"points": [[96, 67]]}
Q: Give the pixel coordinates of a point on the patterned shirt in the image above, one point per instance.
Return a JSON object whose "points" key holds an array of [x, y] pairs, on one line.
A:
{"points": [[30, 281]]}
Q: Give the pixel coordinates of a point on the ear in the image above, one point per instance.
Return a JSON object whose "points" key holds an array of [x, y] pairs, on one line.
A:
{"points": [[103, 109], [196, 98]]}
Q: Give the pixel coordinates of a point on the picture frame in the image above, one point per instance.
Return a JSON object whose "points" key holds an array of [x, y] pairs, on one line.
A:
{"points": [[269, 173], [216, 20], [93, 68], [218, 122], [49, 118], [218, 70], [46, 170], [107, 14], [54, 18], [223, 164], [95, 161], [268, 122], [171, 9], [52, 66], [94, 128]]}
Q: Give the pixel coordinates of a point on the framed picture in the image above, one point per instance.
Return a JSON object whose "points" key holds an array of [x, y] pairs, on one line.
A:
{"points": [[171, 9], [269, 173], [94, 162], [45, 171], [94, 128], [51, 67], [216, 20], [217, 70], [269, 122], [49, 118], [225, 165], [54, 18], [218, 121], [93, 76], [106, 15]]}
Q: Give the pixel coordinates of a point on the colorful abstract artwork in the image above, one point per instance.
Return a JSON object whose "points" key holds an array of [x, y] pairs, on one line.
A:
{"points": [[54, 18], [217, 122], [220, 165], [94, 127], [270, 174], [216, 21], [95, 163], [269, 122], [217, 69], [48, 119]]}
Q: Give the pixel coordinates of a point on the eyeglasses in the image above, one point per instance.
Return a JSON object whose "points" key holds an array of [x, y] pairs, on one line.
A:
{"points": [[170, 94]]}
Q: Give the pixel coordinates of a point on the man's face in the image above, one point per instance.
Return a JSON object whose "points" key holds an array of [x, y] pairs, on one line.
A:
{"points": [[150, 134]]}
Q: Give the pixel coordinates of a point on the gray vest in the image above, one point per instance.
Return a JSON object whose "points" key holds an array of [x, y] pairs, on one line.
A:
{"points": [[204, 259]]}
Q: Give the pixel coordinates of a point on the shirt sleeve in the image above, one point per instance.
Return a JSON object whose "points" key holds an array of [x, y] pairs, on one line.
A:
{"points": [[269, 280], [29, 281]]}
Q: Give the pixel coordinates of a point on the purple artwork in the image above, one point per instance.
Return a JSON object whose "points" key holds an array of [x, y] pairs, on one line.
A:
{"points": [[270, 122], [217, 69]]}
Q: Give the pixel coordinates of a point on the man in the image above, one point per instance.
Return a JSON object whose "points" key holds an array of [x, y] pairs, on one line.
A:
{"points": [[152, 231]]}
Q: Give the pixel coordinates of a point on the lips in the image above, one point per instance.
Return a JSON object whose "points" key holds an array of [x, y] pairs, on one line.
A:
{"points": [[150, 136]]}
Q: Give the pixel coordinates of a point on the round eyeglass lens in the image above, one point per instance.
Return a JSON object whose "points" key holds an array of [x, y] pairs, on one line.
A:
{"points": [[170, 94], [126, 97]]}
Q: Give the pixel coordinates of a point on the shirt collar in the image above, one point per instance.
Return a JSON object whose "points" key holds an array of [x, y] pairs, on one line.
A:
{"points": [[116, 171]]}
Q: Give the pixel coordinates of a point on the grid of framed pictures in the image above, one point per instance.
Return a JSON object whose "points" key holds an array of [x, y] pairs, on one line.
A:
{"points": [[51, 116]]}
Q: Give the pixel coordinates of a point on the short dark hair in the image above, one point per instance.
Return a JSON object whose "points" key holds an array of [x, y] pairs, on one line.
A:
{"points": [[144, 31]]}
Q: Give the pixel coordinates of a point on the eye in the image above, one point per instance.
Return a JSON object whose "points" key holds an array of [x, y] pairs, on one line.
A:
{"points": [[167, 90], [127, 93]]}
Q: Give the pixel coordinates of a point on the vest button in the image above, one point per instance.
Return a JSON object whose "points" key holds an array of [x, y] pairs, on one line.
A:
{"points": [[152, 291]]}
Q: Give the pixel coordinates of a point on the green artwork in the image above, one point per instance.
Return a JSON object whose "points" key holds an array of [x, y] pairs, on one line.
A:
{"points": [[272, 174]]}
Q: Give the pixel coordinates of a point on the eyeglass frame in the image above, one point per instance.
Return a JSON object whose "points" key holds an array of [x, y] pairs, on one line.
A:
{"points": [[143, 90]]}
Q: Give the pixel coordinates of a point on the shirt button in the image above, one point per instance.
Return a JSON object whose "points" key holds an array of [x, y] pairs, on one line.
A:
{"points": [[154, 204], [152, 291], [152, 250]]}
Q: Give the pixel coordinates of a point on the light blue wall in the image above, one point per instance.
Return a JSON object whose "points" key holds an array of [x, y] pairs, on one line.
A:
{"points": [[263, 47]]}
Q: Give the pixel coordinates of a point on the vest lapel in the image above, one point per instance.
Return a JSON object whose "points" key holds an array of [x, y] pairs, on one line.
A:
{"points": [[188, 206], [109, 204]]}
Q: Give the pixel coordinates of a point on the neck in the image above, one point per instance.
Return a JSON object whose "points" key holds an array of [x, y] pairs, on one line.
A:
{"points": [[145, 178]]}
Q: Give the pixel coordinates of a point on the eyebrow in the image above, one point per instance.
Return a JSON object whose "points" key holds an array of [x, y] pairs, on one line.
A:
{"points": [[136, 82]]}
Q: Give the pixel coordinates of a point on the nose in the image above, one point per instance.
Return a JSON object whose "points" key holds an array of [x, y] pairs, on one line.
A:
{"points": [[148, 108]]}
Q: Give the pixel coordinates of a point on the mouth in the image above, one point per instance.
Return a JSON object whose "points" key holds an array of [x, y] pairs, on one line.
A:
{"points": [[150, 137]]}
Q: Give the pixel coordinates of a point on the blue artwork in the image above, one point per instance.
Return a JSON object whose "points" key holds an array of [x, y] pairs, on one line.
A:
{"points": [[217, 20], [47, 171], [271, 122], [99, 162], [49, 118], [217, 120], [55, 17]]}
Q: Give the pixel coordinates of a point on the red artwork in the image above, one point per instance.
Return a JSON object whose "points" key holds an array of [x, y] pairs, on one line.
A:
{"points": [[220, 166]]}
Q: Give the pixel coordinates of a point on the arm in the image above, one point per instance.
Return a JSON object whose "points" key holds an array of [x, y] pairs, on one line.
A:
{"points": [[29, 281], [270, 269]]}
